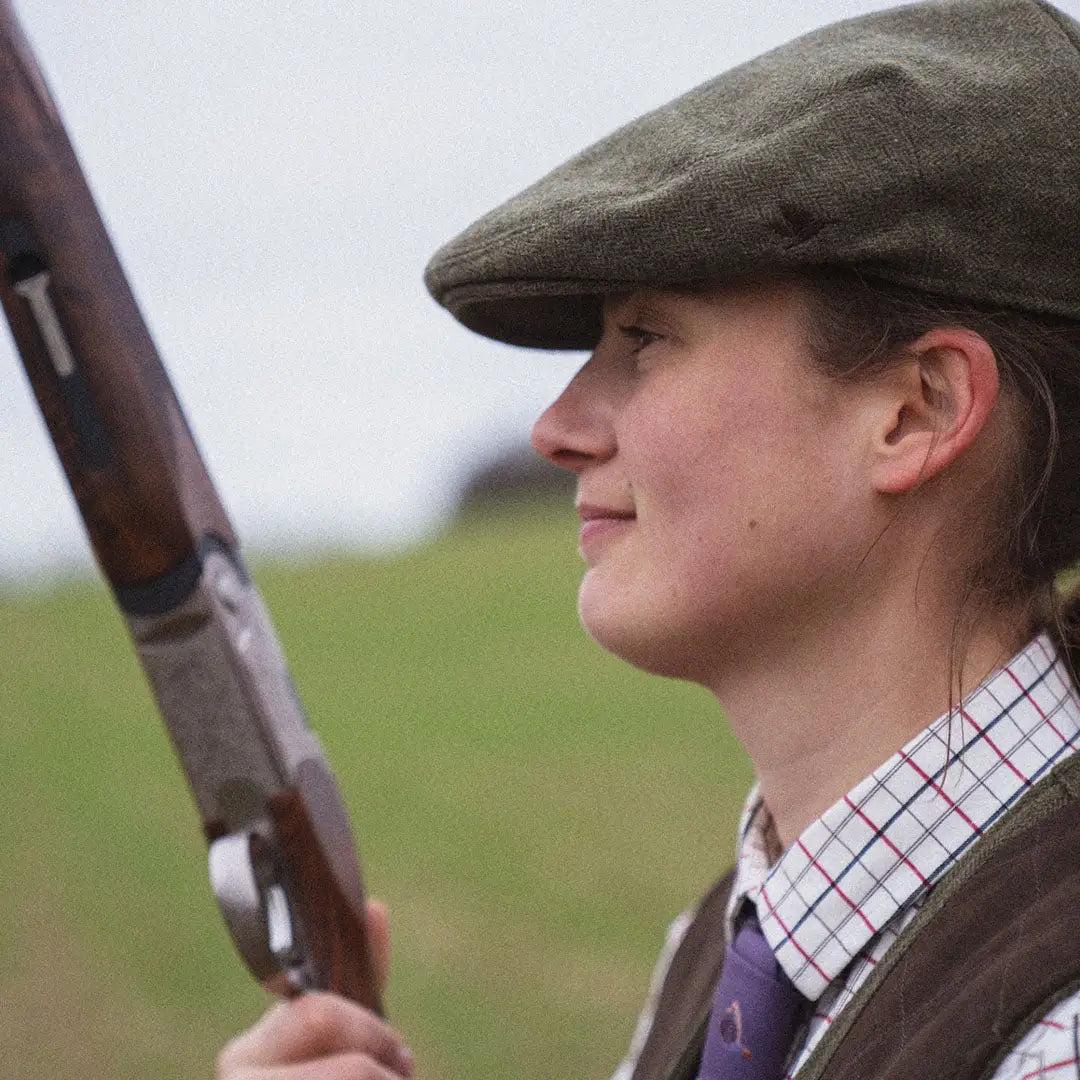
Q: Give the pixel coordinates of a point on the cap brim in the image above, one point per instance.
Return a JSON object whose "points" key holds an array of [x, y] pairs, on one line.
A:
{"points": [[536, 315]]}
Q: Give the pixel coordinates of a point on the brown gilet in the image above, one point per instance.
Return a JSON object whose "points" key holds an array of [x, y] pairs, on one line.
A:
{"points": [[995, 946]]}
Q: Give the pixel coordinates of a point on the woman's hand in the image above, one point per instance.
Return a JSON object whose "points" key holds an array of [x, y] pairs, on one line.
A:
{"points": [[320, 1036]]}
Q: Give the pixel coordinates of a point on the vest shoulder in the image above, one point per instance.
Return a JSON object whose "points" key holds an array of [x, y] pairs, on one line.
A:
{"points": [[994, 948]]}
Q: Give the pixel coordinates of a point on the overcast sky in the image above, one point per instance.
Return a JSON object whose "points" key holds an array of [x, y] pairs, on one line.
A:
{"points": [[276, 174]]}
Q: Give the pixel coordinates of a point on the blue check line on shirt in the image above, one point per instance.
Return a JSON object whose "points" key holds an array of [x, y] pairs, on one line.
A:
{"points": [[939, 870], [1035, 776], [950, 760]]}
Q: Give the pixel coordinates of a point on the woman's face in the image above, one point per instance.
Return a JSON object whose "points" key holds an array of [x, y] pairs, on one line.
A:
{"points": [[721, 479]]}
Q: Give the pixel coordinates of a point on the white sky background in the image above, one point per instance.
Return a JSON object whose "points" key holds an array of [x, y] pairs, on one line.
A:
{"points": [[275, 176]]}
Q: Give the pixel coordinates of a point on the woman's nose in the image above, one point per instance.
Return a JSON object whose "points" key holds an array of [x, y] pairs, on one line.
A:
{"points": [[576, 429]]}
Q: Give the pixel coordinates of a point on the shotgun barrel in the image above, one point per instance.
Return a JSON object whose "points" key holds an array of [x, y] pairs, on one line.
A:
{"points": [[283, 862]]}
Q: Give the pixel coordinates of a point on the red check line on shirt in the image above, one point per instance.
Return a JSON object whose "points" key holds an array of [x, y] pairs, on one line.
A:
{"points": [[1043, 1069], [993, 746], [836, 888], [787, 933], [1035, 705], [937, 787], [895, 850]]}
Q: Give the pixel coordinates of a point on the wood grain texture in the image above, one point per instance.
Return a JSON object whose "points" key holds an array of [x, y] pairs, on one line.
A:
{"points": [[148, 505], [324, 884]]}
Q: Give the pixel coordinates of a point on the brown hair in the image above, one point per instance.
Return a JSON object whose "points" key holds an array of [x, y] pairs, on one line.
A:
{"points": [[858, 327]]}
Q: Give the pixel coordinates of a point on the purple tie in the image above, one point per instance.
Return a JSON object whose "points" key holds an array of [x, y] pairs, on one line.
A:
{"points": [[756, 1010]]}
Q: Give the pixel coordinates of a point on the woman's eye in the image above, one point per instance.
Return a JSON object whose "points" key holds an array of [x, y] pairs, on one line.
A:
{"points": [[638, 337]]}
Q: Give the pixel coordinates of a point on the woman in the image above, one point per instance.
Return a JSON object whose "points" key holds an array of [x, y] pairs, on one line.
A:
{"points": [[826, 446]]}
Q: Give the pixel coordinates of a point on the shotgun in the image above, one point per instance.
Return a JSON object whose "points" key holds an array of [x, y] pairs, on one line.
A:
{"points": [[282, 859]]}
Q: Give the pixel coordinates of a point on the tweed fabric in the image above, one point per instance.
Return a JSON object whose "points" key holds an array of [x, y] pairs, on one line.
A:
{"points": [[935, 146]]}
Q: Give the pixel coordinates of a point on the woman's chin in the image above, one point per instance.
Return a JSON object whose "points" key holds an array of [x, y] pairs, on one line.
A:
{"points": [[629, 635], [598, 609]]}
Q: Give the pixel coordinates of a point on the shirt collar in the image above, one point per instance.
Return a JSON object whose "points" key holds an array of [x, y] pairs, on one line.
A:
{"points": [[886, 842]]}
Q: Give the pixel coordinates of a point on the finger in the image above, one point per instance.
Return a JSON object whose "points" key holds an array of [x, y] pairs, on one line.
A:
{"points": [[316, 1025], [378, 927], [352, 1066]]}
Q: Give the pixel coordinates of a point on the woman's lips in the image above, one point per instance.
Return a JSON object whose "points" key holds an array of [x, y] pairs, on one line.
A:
{"points": [[600, 524]]}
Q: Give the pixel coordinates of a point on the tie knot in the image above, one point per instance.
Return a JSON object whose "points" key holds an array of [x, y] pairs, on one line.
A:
{"points": [[751, 944]]}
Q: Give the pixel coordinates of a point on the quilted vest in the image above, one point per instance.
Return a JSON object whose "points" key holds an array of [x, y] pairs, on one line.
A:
{"points": [[995, 946]]}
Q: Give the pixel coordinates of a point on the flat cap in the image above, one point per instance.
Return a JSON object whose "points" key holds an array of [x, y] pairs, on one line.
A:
{"points": [[934, 146]]}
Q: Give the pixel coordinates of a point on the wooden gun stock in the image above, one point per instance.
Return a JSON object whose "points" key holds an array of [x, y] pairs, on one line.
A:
{"points": [[283, 861]]}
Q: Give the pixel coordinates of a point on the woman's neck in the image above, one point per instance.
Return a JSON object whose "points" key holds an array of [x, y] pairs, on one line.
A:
{"points": [[817, 721]]}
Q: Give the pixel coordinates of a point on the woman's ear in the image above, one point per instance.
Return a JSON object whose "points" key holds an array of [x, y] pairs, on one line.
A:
{"points": [[937, 402]]}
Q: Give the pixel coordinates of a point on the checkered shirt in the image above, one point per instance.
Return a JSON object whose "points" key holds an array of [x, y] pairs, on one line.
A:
{"points": [[843, 892]]}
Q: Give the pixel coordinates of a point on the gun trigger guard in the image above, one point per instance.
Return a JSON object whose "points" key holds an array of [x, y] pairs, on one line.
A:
{"points": [[255, 906]]}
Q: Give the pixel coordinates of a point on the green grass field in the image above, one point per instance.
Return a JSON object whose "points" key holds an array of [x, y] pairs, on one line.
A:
{"points": [[533, 811]]}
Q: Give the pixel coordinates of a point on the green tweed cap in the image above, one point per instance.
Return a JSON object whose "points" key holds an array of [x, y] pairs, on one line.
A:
{"points": [[935, 146]]}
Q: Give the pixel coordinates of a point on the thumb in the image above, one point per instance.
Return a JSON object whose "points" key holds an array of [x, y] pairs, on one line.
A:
{"points": [[378, 928]]}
